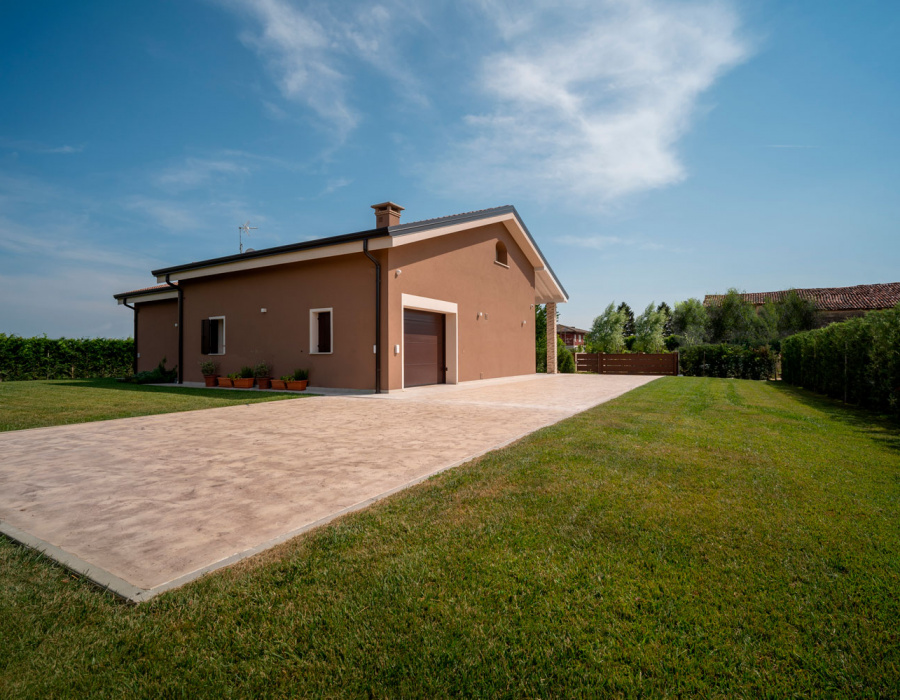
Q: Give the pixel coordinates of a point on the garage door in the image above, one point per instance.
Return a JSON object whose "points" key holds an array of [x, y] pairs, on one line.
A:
{"points": [[423, 348]]}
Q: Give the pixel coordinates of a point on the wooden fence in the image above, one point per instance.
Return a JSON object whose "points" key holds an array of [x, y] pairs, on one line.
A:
{"points": [[601, 363]]}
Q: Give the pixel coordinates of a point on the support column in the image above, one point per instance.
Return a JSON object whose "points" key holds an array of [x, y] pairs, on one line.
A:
{"points": [[551, 338]]}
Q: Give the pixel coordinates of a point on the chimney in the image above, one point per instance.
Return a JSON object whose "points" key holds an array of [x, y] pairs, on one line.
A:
{"points": [[387, 214]]}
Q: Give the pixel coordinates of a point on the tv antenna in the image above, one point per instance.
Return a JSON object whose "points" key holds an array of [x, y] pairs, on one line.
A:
{"points": [[244, 230]]}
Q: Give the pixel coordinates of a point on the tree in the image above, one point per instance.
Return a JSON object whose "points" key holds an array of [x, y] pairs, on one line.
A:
{"points": [[565, 360], [648, 330], [796, 314], [540, 338], [690, 322], [733, 319], [766, 326], [606, 332], [628, 328], [667, 310]]}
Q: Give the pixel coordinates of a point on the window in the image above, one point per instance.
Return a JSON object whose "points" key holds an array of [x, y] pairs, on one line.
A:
{"points": [[500, 257], [320, 331], [212, 336]]}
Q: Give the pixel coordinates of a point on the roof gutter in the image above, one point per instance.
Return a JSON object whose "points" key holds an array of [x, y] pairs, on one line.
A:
{"points": [[377, 315], [134, 333], [180, 291]]}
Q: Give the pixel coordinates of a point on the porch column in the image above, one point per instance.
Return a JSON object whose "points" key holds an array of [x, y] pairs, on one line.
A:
{"points": [[551, 337]]}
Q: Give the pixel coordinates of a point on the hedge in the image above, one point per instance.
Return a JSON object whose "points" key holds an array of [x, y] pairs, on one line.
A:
{"points": [[64, 358], [856, 361], [727, 361]]}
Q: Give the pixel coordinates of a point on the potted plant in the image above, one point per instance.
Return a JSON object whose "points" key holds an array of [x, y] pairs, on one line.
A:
{"points": [[208, 370], [281, 383], [244, 379], [298, 380], [261, 372], [228, 380]]}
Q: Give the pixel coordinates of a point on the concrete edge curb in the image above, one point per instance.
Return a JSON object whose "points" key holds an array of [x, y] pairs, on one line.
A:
{"points": [[100, 577]]}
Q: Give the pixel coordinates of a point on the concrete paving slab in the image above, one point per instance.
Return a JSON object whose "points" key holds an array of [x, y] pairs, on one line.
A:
{"points": [[143, 505]]}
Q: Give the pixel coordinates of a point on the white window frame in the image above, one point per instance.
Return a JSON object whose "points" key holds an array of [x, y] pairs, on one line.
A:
{"points": [[221, 320], [314, 330]]}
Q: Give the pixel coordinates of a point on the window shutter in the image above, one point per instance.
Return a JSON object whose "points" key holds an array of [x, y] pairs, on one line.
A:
{"points": [[204, 336], [324, 331]]}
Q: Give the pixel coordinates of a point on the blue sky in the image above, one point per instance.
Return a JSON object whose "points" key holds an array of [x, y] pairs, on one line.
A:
{"points": [[656, 150]]}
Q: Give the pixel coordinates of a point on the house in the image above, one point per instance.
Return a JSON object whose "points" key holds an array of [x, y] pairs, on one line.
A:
{"points": [[832, 303], [571, 336], [443, 300]]}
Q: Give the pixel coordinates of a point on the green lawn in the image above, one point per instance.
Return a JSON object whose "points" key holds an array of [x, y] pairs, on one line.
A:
{"points": [[696, 537], [58, 402]]}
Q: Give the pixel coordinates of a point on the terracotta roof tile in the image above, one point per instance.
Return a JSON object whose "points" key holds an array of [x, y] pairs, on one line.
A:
{"points": [[861, 296], [562, 328]]}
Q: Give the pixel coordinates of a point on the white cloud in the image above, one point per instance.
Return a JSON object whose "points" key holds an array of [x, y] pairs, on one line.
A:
{"points": [[311, 49], [588, 97], [58, 244], [591, 98], [607, 242], [63, 149], [173, 217], [592, 242], [334, 185], [38, 147], [194, 172], [300, 53]]}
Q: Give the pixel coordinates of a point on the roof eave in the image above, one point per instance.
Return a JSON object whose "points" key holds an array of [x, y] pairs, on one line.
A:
{"points": [[271, 252]]}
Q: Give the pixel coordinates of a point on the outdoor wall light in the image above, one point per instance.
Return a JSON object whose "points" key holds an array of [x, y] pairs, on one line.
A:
{"points": [[397, 273], [262, 311]]}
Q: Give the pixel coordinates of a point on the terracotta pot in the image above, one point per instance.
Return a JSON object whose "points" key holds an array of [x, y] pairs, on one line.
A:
{"points": [[243, 383], [225, 381], [279, 384], [297, 385], [210, 379], [263, 382]]}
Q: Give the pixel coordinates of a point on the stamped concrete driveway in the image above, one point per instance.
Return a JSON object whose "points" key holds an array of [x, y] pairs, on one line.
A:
{"points": [[143, 505]]}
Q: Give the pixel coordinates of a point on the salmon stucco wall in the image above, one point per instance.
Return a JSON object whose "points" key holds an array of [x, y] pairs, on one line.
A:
{"points": [[461, 268], [157, 334], [280, 336]]}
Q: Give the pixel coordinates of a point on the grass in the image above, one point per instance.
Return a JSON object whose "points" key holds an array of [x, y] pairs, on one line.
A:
{"points": [[695, 537], [36, 404]]}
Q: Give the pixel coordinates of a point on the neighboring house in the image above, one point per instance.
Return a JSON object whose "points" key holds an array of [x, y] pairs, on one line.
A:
{"points": [[571, 336], [438, 301], [833, 303]]}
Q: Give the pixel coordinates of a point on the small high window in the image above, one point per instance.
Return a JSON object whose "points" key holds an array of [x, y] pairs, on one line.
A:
{"points": [[320, 331], [501, 253], [212, 336]]}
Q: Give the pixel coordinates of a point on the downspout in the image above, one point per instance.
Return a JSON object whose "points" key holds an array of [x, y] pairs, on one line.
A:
{"points": [[377, 315], [180, 291], [134, 361]]}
